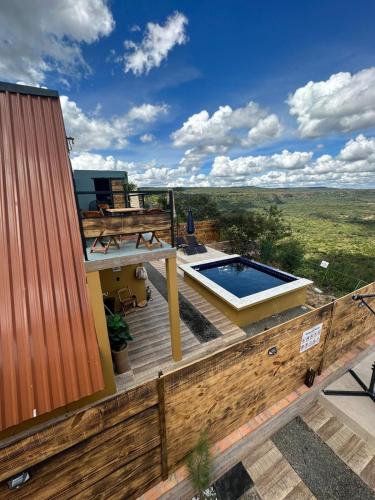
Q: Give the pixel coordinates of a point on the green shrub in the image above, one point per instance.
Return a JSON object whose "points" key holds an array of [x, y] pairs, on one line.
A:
{"points": [[290, 254], [199, 464]]}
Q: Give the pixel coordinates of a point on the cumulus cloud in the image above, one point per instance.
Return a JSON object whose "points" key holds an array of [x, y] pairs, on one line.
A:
{"points": [[355, 163], [43, 36], [223, 166], [353, 166], [201, 129], [147, 138], [343, 103], [93, 132], [242, 127], [143, 174], [157, 42], [93, 161]]}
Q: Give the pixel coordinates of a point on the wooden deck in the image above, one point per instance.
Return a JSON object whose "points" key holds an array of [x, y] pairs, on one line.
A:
{"points": [[230, 331], [150, 351]]}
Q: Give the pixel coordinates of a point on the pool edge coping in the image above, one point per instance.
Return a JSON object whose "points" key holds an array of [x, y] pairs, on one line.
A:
{"points": [[244, 302]]}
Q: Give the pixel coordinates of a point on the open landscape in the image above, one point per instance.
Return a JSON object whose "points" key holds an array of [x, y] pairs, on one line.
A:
{"points": [[336, 225]]}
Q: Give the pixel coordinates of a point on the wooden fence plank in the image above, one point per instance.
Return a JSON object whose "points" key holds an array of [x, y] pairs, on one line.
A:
{"points": [[55, 438], [351, 324], [223, 391], [70, 472], [163, 429], [130, 481]]}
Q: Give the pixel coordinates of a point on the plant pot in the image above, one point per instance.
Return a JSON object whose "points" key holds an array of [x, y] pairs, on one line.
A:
{"points": [[121, 360]]}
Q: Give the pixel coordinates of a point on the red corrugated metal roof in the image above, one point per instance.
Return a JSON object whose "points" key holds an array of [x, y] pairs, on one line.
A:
{"points": [[48, 348]]}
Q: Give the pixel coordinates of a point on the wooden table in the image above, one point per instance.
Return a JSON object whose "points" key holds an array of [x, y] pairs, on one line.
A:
{"points": [[124, 210]]}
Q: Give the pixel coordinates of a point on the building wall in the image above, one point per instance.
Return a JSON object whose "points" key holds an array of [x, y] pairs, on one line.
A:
{"points": [[84, 182], [114, 280], [49, 355]]}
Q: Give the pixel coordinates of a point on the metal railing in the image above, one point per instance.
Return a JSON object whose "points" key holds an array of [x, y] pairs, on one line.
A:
{"points": [[142, 195]]}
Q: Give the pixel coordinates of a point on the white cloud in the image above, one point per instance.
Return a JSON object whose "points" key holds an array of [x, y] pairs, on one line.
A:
{"points": [[158, 41], [355, 163], [244, 166], [350, 167], [135, 28], [147, 138], [92, 132], [147, 112], [342, 103], [92, 161], [358, 149], [42, 36], [226, 128], [219, 129]]}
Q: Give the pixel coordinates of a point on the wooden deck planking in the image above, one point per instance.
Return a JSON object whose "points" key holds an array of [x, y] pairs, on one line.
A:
{"points": [[231, 331], [273, 476], [348, 446], [149, 327]]}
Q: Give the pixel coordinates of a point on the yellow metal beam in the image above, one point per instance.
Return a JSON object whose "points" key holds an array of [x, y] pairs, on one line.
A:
{"points": [[97, 305], [174, 310]]}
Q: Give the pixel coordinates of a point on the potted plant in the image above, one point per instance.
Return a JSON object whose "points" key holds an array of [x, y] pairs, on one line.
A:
{"points": [[119, 335]]}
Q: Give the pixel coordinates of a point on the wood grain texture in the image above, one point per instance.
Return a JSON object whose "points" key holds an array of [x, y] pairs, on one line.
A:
{"points": [[206, 231], [351, 324], [130, 224], [224, 390], [69, 473], [130, 481], [57, 437]]}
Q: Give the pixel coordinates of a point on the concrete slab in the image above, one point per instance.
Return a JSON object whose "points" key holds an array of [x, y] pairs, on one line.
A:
{"points": [[211, 254], [358, 413], [127, 254]]}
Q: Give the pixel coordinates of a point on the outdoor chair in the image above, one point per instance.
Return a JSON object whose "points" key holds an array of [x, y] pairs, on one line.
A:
{"points": [[102, 207], [190, 250], [127, 300], [192, 241], [181, 242]]}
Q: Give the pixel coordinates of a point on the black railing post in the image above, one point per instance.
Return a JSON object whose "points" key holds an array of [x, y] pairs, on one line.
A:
{"points": [[126, 199], [83, 239]]}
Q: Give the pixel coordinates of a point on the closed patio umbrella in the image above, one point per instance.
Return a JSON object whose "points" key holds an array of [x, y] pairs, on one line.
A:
{"points": [[190, 228]]}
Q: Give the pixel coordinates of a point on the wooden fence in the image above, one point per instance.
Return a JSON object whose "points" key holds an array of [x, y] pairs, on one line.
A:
{"points": [[206, 231], [125, 444]]}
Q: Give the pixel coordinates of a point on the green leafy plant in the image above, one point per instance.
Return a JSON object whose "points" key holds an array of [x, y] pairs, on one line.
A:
{"points": [[199, 464], [290, 254], [118, 332]]}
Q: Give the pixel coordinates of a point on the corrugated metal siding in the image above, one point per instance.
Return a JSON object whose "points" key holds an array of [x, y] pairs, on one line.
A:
{"points": [[48, 348]]}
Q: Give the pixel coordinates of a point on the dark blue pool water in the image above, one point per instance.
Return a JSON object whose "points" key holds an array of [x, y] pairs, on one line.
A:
{"points": [[243, 277]]}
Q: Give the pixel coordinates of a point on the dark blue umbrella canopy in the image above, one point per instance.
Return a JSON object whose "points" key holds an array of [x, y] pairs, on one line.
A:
{"points": [[190, 228]]}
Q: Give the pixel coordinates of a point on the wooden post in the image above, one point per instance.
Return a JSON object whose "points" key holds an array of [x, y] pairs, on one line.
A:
{"points": [[174, 310], [162, 429], [326, 340], [97, 305]]}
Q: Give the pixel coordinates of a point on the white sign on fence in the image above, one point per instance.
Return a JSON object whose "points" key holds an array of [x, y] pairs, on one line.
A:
{"points": [[311, 337]]}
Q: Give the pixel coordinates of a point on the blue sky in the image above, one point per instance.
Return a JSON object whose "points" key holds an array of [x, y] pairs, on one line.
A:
{"points": [[162, 88]]}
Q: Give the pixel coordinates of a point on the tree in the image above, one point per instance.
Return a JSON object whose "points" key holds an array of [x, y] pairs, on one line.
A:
{"points": [[254, 232], [203, 205], [242, 231], [290, 254], [199, 464]]}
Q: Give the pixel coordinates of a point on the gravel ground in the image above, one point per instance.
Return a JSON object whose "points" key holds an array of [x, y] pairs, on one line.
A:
{"points": [[318, 466]]}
